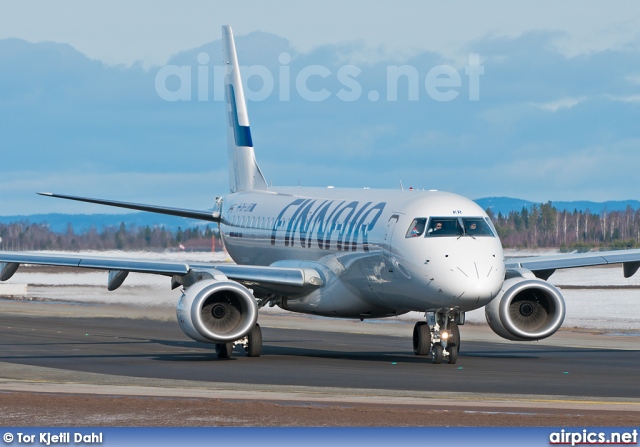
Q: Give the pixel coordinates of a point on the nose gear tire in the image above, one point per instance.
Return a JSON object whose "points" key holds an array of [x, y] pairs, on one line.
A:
{"points": [[437, 354], [421, 338]]}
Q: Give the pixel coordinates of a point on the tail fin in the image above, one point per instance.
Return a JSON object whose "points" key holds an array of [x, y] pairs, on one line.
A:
{"points": [[244, 172]]}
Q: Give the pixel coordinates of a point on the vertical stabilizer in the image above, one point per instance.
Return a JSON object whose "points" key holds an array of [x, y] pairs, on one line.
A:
{"points": [[244, 172]]}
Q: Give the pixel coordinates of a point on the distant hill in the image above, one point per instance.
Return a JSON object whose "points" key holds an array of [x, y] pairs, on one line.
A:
{"points": [[505, 205], [597, 207], [84, 222]]}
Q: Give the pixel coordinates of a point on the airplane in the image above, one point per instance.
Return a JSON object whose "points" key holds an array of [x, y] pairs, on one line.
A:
{"points": [[344, 253]]}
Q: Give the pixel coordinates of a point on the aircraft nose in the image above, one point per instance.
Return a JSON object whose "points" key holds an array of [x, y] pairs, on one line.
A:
{"points": [[473, 282], [476, 270]]}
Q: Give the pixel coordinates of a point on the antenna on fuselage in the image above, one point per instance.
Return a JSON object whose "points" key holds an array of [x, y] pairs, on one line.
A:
{"points": [[401, 187]]}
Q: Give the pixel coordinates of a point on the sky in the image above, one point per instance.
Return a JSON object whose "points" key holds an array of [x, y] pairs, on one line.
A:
{"points": [[538, 101]]}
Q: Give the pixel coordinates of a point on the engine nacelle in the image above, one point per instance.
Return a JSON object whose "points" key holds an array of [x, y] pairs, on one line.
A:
{"points": [[526, 310], [217, 311]]}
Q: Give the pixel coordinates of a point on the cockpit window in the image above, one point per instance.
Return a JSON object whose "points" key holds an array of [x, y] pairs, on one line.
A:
{"points": [[458, 226], [493, 228], [444, 226], [417, 227], [476, 226]]}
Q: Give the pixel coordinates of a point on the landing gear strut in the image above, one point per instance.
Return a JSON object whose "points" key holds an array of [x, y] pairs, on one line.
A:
{"points": [[439, 335], [252, 345]]}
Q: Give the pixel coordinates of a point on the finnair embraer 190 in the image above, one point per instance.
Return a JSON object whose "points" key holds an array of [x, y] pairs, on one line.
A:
{"points": [[346, 253]]}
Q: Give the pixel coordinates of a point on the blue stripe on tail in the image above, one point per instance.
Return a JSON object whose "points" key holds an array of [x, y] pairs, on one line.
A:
{"points": [[242, 134]]}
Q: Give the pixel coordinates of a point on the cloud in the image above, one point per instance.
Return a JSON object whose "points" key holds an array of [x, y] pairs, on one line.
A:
{"points": [[629, 98], [75, 125], [564, 103], [112, 31]]}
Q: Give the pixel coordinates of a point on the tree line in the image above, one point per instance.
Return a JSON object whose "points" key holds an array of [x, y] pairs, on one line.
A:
{"points": [[25, 236], [540, 226], [545, 226]]}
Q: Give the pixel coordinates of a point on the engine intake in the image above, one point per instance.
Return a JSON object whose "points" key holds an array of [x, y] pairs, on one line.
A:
{"points": [[217, 311], [526, 310]]}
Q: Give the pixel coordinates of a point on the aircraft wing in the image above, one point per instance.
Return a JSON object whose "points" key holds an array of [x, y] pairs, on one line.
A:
{"points": [[544, 266], [212, 216], [277, 280]]}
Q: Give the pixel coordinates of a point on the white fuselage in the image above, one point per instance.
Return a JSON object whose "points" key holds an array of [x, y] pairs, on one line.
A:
{"points": [[361, 239]]}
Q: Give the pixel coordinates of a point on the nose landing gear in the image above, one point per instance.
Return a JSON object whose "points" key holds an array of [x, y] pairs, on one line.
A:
{"points": [[421, 338], [439, 336]]}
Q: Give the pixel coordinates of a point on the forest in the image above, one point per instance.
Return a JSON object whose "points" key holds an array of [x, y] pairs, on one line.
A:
{"points": [[543, 226], [23, 236], [539, 226]]}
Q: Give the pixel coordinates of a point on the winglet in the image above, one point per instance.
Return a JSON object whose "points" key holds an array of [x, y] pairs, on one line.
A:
{"points": [[244, 172]]}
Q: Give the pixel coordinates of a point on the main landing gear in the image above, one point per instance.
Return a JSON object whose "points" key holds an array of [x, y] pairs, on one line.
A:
{"points": [[252, 345], [439, 336]]}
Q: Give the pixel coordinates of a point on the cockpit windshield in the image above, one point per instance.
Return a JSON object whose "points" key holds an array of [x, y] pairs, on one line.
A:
{"points": [[476, 226], [444, 226], [450, 226], [417, 227]]}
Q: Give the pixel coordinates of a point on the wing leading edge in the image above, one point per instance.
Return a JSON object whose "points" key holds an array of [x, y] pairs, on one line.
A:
{"points": [[544, 266], [277, 280]]}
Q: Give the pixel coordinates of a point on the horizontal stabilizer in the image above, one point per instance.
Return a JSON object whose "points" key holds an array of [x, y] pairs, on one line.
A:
{"points": [[211, 216]]}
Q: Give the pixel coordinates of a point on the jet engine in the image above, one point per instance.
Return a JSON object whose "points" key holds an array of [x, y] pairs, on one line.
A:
{"points": [[526, 309], [214, 311]]}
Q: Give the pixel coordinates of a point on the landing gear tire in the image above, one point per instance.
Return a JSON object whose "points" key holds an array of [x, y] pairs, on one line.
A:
{"points": [[421, 338], [453, 354], [224, 350], [254, 342], [436, 354], [455, 334]]}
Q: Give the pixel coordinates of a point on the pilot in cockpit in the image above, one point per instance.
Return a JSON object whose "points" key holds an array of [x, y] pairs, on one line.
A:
{"points": [[436, 228]]}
